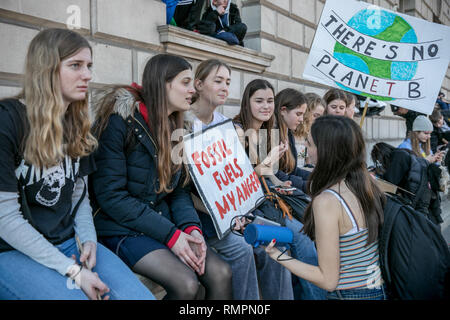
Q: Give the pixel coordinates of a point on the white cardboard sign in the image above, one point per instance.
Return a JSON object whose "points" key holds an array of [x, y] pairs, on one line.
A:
{"points": [[375, 52], [222, 173]]}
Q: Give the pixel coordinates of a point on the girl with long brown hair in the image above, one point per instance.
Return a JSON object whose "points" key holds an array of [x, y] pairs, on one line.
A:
{"points": [[261, 109], [45, 146], [336, 101], [254, 125], [290, 108], [344, 216], [145, 212]]}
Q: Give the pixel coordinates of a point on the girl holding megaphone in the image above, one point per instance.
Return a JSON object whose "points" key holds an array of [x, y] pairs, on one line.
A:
{"points": [[344, 216], [286, 109]]}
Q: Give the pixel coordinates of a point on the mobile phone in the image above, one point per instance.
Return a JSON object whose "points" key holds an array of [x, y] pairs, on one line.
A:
{"points": [[441, 147], [283, 188], [264, 221]]}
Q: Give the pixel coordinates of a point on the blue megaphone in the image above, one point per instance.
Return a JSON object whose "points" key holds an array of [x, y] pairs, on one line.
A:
{"points": [[256, 234]]}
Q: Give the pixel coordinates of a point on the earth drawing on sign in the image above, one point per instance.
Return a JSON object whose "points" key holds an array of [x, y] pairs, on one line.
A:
{"points": [[382, 25]]}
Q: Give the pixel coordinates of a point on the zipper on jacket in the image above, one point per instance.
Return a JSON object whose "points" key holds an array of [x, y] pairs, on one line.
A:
{"points": [[156, 146]]}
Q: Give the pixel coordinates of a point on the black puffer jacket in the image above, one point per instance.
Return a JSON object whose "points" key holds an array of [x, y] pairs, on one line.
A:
{"points": [[125, 183], [411, 173], [210, 23]]}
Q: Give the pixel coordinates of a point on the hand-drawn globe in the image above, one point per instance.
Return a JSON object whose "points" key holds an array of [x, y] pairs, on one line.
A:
{"points": [[385, 26]]}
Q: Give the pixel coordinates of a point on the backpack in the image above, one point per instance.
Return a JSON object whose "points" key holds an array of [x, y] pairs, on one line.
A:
{"points": [[414, 257]]}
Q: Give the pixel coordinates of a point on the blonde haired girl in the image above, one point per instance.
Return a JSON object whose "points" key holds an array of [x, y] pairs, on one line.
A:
{"points": [[44, 147]]}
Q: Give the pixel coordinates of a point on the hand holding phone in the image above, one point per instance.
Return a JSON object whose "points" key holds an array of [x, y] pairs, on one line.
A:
{"points": [[287, 190], [439, 156]]}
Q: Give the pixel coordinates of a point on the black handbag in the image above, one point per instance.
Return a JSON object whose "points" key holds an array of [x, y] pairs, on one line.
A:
{"points": [[274, 207]]}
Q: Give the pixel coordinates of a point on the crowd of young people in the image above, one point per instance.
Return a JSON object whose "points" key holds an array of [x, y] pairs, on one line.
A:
{"points": [[85, 205]]}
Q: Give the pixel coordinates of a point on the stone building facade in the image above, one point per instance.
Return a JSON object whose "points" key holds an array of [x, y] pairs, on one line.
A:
{"points": [[124, 34]]}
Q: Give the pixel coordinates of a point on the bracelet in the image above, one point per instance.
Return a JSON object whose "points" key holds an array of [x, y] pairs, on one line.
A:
{"points": [[79, 271], [76, 274]]}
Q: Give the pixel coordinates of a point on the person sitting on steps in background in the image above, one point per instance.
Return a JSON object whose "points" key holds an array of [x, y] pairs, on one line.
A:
{"points": [[222, 20]]}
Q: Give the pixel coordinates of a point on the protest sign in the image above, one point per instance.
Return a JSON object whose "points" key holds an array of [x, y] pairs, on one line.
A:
{"points": [[380, 54], [222, 173]]}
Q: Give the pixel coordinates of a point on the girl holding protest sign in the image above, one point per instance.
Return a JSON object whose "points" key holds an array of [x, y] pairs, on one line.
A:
{"points": [[336, 101], [344, 216], [146, 214], [212, 81], [45, 147], [260, 109]]}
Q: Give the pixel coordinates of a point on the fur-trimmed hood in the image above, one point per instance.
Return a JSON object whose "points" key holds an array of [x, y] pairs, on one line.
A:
{"points": [[125, 104]]}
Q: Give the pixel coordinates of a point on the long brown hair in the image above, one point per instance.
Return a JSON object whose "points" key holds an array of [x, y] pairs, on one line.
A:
{"points": [[290, 99], [54, 131], [341, 156], [159, 70], [245, 116]]}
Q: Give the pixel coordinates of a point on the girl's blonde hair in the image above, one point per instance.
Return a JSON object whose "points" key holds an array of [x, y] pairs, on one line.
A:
{"points": [[313, 100], [416, 144], [53, 131], [205, 68]]}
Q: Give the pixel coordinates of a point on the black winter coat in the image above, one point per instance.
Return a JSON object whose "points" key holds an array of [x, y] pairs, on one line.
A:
{"points": [[210, 16], [125, 184], [406, 171]]}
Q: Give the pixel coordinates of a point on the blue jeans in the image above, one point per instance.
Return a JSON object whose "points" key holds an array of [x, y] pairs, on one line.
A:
{"points": [[303, 249], [358, 294], [274, 280], [229, 37], [23, 278]]}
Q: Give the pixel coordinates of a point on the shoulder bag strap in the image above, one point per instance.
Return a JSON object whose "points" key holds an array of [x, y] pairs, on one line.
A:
{"points": [[75, 209], [422, 185]]}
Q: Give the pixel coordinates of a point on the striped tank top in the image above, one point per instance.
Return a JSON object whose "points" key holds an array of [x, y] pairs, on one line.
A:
{"points": [[359, 264]]}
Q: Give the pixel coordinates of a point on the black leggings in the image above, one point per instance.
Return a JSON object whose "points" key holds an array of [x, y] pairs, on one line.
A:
{"points": [[180, 281]]}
